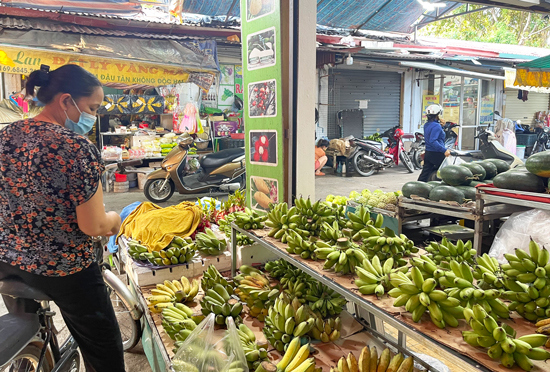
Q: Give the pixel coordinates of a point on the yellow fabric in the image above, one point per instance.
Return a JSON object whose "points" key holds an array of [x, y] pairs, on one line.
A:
{"points": [[525, 77], [155, 227]]}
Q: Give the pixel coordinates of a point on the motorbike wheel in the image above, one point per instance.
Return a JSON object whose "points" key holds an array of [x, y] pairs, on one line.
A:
{"points": [[407, 161], [363, 167], [152, 192], [417, 159], [27, 360]]}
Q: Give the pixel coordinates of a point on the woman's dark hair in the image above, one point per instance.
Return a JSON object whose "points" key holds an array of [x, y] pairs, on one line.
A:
{"points": [[71, 79], [433, 117], [323, 142]]}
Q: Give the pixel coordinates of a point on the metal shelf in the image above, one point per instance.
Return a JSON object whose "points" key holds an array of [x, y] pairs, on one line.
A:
{"points": [[512, 200], [375, 314]]}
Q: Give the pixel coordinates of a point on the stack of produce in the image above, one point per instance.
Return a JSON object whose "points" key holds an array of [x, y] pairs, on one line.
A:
{"points": [[459, 284], [246, 220], [304, 247], [209, 244], [420, 295], [296, 358], [166, 147], [286, 320], [178, 252], [254, 289], [375, 278], [376, 199], [338, 200], [225, 227], [177, 322], [218, 297], [445, 252], [342, 257], [254, 353], [528, 282], [534, 178], [369, 362], [326, 330], [323, 300], [384, 243], [171, 292], [358, 221], [501, 340]]}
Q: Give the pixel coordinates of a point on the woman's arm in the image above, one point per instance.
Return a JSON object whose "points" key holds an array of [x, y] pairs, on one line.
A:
{"points": [[92, 218]]}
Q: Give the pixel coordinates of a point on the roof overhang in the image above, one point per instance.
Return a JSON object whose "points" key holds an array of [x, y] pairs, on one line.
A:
{"points": [[449, 70]]}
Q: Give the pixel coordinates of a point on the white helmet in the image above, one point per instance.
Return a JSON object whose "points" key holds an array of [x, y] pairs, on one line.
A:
{"points": [[434, 110]]}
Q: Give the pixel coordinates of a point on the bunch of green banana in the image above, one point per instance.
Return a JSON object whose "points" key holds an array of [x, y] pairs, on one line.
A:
{"points": [[324, 300], [304, 247], [384, 243], [178, 252], [343, 257], [225, 226], [358, 220], [209, 244], [370, 362], [217, 300], [254, 353], [326, 330], [445, 252], [177, 322], [330, 233], [501, 340], [420, 295], [374, 278], [528, 275], [488, 273], [425, 264], [296, 358], [249, 219], [254, 289], [285, 272], [318, 212], [171, 292], [279, 220], [459, 284], [285, 321], [212, 277]]}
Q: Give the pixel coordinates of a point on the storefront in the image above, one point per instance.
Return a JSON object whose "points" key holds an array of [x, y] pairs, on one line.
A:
{"points": [[468, 98]]}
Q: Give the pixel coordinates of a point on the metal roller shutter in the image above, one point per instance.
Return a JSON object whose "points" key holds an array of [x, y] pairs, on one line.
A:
{"points": [[516, 109], [383, 89]]}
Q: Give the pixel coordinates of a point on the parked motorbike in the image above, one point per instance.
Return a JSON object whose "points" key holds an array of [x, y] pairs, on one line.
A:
{"points": [[418, 149], [543, 141], [451, 138], [369, 156], [220, 171]]}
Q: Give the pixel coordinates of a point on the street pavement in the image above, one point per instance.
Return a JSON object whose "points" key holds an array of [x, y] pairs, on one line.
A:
{"points": [[390, 179]]}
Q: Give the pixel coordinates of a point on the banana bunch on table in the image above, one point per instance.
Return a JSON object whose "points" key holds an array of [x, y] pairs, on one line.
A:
{"points": [[296, 358], [445, 252], [209, 244], [501, 341], [254, 289], [374, 278], [370, 362], [177, 322], [254, 353], [171, 292], [217, 300]]}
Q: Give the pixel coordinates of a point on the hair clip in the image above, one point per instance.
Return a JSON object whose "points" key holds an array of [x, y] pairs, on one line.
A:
{"points": [[45, 68]]}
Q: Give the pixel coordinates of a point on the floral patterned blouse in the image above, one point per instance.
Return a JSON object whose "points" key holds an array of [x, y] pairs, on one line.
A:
{"points": [[46, 171]]}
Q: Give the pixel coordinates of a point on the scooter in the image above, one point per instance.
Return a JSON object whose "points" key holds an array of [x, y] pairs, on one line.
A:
{"points": [[418, 149], [492, 149], [543, 141], [369, 156], [451, 138], [220, 171]]}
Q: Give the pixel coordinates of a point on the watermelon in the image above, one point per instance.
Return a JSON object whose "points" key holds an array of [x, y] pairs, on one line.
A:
{"points": [[469, 192], [418, 188], [436, 183], [456, 175], [502, 166], [447, 193], [491, 170], [539, 164], [475, 183], [476, 169], [521, 181]]}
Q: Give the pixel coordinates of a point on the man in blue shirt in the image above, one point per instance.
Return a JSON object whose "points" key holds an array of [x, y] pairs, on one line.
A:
{"points": [[434, 136]]}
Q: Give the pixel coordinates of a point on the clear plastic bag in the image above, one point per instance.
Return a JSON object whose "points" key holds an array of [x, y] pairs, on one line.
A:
{"points": [[450, 160], [517, 231], [201, 352], [436, 364]]}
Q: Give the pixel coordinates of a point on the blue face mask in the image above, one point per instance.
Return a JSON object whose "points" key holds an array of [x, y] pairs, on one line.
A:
{"points": [[85, 122]]}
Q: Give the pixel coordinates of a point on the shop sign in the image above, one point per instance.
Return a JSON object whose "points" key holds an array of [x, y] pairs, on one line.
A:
{"points": [[262, 95], [25, 61], [487, 109]]}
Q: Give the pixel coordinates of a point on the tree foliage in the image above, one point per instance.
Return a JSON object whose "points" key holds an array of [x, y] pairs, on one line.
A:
{"points": [[494, 25]]}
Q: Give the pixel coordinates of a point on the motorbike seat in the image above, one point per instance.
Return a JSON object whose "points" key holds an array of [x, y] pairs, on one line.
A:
{"points": [[16, 330], [217, 159], [15, 288], [408, 136], [372, 143]]}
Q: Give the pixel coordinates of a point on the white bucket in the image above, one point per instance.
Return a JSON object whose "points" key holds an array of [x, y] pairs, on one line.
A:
{"points": [[142, 178], [520, 151]]}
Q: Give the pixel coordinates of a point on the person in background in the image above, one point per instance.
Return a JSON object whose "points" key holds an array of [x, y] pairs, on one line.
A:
{"points": [[434, 136], [51, 205], [320, 156]]}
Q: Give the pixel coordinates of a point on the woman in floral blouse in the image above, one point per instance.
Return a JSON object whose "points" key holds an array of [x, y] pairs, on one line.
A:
{"points": [[51, 204]]}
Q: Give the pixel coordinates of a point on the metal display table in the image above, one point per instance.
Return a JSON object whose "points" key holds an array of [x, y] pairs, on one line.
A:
{"points": [[484, 197], [364, 308], [479, 212]]}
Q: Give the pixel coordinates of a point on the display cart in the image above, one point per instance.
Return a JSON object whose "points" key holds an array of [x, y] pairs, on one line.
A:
{"points": [[512, 198], [447, 344], [479, 212]]}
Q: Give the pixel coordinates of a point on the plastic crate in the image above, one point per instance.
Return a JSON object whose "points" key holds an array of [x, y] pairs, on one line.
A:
{"points": [[526, 139]]}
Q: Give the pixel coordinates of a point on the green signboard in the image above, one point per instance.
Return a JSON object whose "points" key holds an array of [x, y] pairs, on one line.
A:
{"points": [[262, 96]]}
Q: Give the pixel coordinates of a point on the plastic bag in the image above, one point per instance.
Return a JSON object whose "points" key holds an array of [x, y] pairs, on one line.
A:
{"points": [[436, 364], [201, 352], [450, 160], [518, 230]]}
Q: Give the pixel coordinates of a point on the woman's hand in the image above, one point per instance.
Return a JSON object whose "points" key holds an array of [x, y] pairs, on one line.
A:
{"points": [[448, 152]]}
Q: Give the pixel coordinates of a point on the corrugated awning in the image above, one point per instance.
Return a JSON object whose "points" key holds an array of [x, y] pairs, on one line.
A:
{"points": [[449, 70], [539, 64]]}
